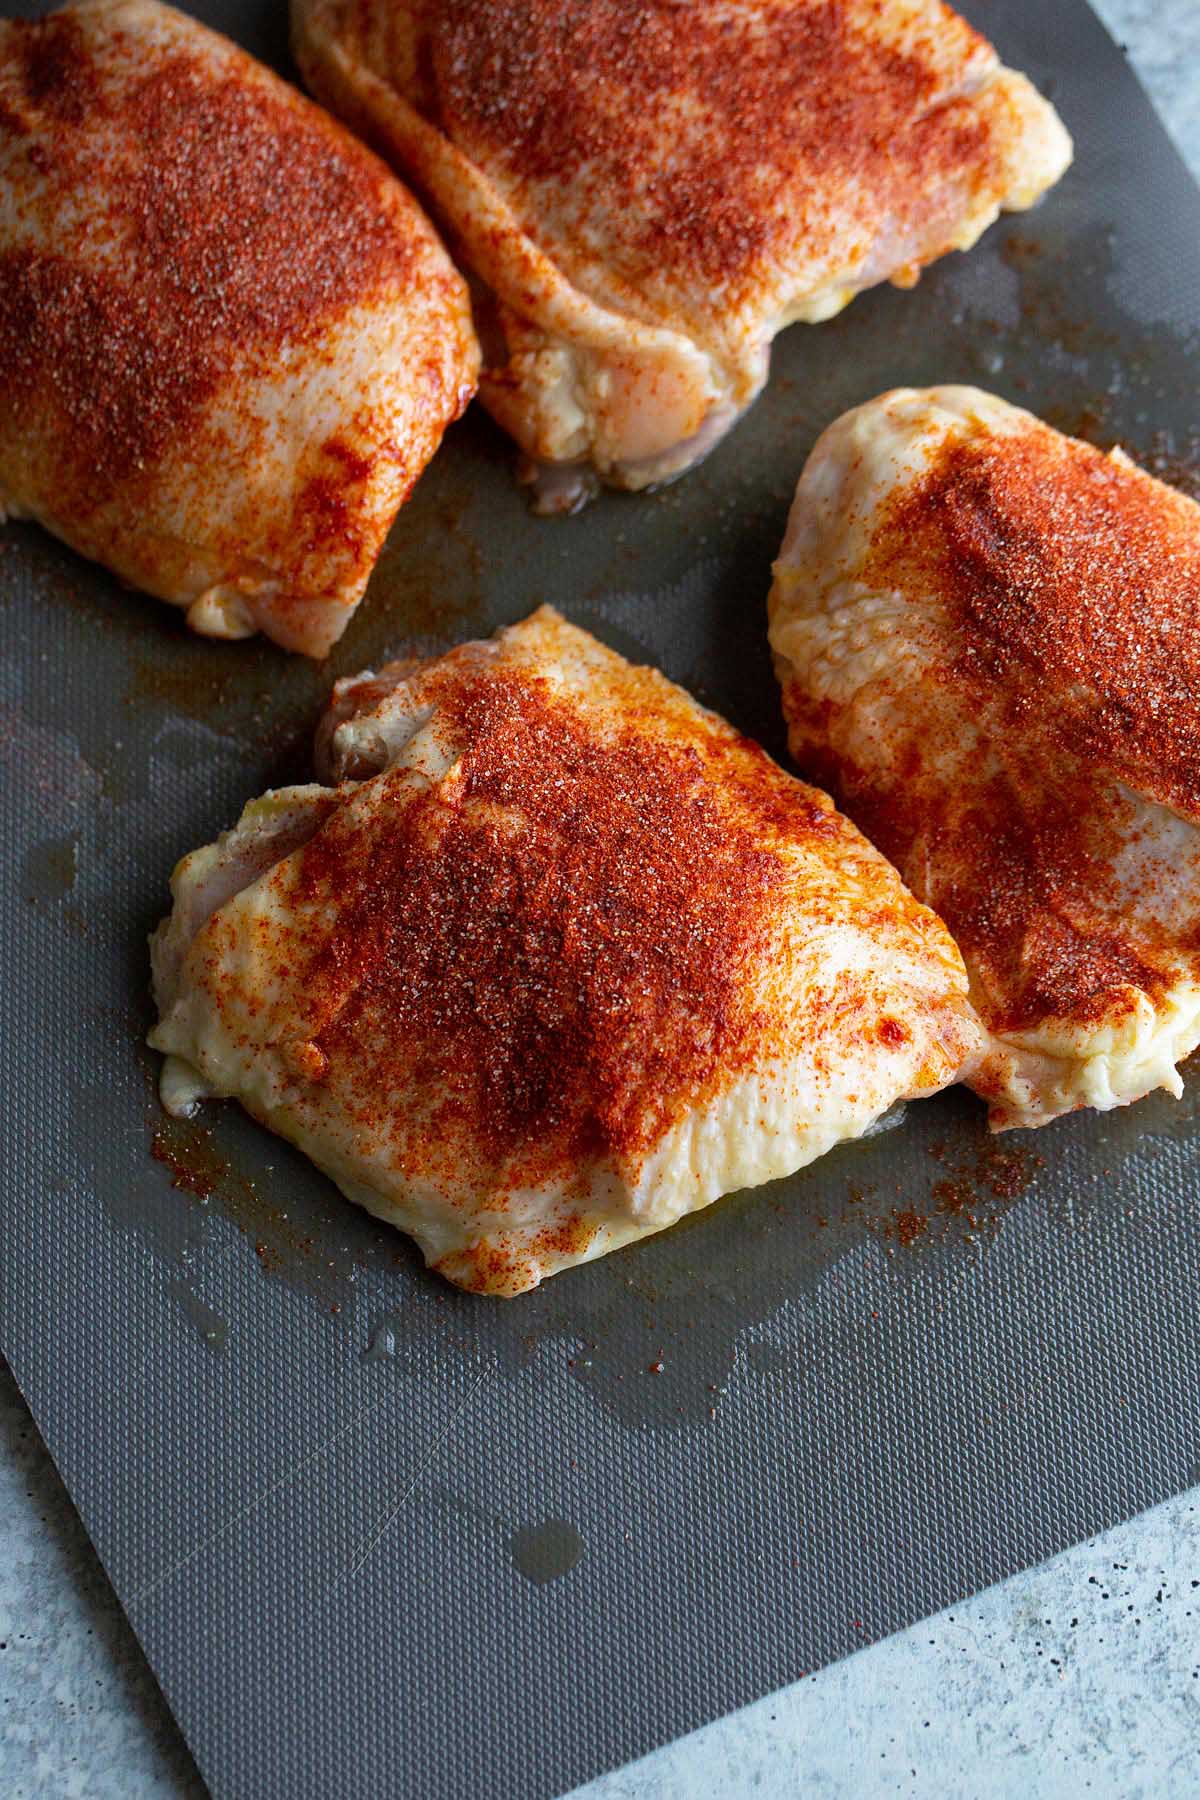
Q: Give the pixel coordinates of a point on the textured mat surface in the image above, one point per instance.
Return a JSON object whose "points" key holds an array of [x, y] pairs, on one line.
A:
{"points": [[378, 1537]]}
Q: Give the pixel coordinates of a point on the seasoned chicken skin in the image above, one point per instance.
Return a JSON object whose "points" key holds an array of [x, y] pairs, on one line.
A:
{"points": [[988, 637], [229, 340], [561, 958], [650, 190]]}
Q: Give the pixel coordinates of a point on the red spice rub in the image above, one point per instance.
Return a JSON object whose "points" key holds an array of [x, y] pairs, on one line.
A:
{"points": [[1071, 583], [1029, 877], [909, 1226], [559, 936], [55, 70], [241, 219], [1071, 573], [1019, 864], [712, 130]]}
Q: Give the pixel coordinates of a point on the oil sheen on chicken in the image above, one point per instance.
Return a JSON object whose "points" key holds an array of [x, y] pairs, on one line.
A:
{"points": [[559, 959], [988, 638], [648, 190]]}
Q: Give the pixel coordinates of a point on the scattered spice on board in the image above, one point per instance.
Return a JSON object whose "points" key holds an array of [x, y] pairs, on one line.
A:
{"points": [[909, 1226]]}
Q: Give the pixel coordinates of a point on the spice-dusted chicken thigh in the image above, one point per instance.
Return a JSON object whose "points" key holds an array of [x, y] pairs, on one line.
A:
{"points": [[651, 190], [229, 340], [561, 959], [988, 637]]}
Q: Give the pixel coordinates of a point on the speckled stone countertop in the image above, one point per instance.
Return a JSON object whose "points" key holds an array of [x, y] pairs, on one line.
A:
{"points": [[1082, 1676]]}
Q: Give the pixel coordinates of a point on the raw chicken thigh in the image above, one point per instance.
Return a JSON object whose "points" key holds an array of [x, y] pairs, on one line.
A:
{"points": [[230, 340], [648, 191], [988, 637], [560, 959]]}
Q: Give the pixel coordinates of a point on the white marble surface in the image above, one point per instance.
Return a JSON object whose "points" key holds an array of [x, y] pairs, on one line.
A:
{"points": [[1082, 1676], [1162, 40]]}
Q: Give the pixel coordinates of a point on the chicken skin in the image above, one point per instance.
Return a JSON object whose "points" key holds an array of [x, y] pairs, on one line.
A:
{"points": [[230, 340], [648, 191], [988, 639], [561, 958]]}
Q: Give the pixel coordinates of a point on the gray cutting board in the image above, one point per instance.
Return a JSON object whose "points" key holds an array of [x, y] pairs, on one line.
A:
{"points": [[380, 1538]]}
